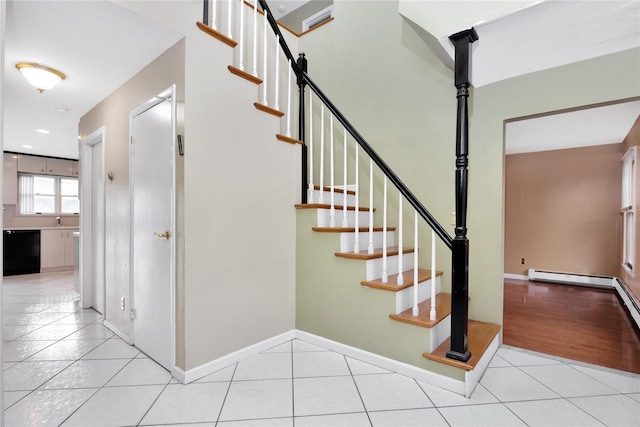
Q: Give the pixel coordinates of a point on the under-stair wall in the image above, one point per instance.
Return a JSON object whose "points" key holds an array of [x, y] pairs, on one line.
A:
{"points": [[240, 186]]}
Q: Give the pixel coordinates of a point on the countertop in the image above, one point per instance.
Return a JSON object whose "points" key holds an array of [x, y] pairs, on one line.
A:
{"points": [[64, 227]]}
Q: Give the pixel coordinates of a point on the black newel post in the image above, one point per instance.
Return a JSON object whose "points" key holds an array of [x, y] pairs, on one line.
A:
{"points": [[301, 62], [460, 249]]}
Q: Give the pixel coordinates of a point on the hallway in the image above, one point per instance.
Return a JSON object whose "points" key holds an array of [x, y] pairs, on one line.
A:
{"points": [[62, 367]]}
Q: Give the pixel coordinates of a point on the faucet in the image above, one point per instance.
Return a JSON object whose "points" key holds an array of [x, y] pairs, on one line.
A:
{"points": [[59, 221]]}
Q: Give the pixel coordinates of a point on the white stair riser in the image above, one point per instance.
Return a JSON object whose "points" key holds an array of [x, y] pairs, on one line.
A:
{"points": [[439, 333], [347, 240], [374, 266], [404, 298], [338, 198], [324, 218]]}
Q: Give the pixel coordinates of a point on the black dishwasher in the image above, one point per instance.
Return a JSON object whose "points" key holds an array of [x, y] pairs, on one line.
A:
{"points": [[21, 252]]}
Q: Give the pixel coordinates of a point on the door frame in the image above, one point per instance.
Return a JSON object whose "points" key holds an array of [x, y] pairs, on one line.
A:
{"points": [[167, 94], [86, 240]]}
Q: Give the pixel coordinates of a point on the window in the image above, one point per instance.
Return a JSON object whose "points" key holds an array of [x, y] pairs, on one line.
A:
{"points": [[45, 194], [628, 209]]}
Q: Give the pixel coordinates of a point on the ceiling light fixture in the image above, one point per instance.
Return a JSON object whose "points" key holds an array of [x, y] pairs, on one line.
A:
{"points": [[41, 77], [43, 131]]}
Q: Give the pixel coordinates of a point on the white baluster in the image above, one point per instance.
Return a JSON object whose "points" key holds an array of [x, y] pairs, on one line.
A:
{"points": [[356, 245], [416, 309], [345, 223], [321, 200], [288, 133], [332, 211], [229, 10], [214, 13], [264, 61], [385, 275], [241, 37], [255, 39], [400, 266], [276, 104], [432, 313], [370, 248], [310, 146]]}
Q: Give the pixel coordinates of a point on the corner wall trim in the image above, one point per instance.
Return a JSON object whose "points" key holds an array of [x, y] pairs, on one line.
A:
{"points": [[205, 369]]}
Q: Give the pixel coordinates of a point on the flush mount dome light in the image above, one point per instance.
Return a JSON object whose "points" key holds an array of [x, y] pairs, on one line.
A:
{"points": [[41, 77]]}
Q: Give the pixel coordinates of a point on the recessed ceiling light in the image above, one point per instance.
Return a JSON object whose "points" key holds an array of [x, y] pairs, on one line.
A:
{"points": [[43, 131], [62, 110], [27, 146]]}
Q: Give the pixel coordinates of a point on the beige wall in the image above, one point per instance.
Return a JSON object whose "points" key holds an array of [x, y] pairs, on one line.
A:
{"points": [[562, 210], [239, 191], [633, 138], [113, 113]]}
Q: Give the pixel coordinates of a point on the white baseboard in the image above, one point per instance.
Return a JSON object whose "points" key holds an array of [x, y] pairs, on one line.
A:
{"points": [[205, 369], [633, 309], [571, 278], [117, 331], [447, 383], [515, 276]]}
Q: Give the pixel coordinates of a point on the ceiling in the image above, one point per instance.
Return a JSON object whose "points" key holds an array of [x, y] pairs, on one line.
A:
{"points": [[100, 45], [97, 44]]}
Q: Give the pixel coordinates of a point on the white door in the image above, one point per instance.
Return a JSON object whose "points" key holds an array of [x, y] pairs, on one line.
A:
{"points": [[151, 170], [97, 228]]}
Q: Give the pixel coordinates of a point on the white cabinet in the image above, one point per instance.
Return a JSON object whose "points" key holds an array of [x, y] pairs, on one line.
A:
{"points": [[62, 167], [56, 249], [47, 165], [10, 179], [32, 164]]}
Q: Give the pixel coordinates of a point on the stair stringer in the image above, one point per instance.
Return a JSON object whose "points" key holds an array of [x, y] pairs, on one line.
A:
{"points": [[331, 304]]}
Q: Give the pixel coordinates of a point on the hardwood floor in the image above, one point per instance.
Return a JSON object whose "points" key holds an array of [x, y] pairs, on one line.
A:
{"points": [[578, 323]]}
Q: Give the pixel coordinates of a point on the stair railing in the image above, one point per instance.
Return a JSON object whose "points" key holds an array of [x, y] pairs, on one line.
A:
{"points": [[318, 101]]}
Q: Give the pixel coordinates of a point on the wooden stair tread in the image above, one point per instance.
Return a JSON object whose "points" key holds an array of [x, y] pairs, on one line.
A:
{"points": [[377, 253], [392, 283], [348, 229], [479, 335], [443, 309], [216, 34], [243, 74], [266, 108], [328, 206], [335, 190], [288, 139]]}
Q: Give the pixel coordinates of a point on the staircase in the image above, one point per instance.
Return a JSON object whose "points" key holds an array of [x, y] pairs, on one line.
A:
{"points": [[356, 283]]}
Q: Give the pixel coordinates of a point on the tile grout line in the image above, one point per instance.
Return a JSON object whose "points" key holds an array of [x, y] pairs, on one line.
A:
{"points": [[355, 383]]}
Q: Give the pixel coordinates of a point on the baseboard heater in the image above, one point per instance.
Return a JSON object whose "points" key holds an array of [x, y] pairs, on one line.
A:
{"points": [[604, 282], [571, 278]]}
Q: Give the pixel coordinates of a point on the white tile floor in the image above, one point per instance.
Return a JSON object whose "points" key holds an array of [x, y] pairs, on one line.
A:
{"points": [[62, 367]]}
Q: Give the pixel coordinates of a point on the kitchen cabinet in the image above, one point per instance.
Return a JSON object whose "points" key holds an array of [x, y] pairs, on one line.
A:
{"points": [[61, 167], [32, 164], [10, 179], [47, 165], [56, 249]]}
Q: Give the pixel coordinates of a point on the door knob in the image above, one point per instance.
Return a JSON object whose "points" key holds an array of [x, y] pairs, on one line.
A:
{"points": [[164, 235]]}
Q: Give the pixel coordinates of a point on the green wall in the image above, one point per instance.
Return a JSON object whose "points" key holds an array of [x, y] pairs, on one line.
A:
{"points": [[401, 98]]}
